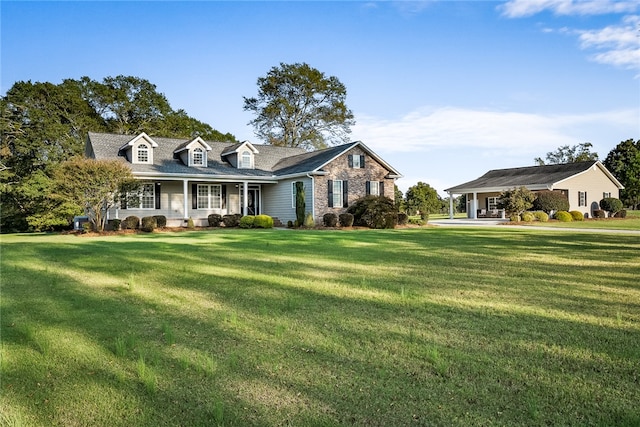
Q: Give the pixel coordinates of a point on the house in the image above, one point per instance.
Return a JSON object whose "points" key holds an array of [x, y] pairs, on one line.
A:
{"points": [[584, 184], [194, 178]]}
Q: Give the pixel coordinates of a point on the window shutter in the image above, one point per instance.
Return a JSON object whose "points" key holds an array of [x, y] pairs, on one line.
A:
{"points": [[362, 161], [350, 160], [368, 187], [224, 196], [194, 196], [345, 191], [381, 188], [330, 193], [157, 194], [586, 199]]}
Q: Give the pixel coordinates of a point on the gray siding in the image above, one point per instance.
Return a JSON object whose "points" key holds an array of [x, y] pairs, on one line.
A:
{"points": [[277, 199]]}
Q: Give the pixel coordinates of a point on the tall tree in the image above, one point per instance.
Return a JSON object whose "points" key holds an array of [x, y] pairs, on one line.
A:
{"points": [[566, 154], [624, 163], [423, 198], [298, 106]]}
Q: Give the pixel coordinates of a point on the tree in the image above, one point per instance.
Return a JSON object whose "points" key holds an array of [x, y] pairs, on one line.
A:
{"points": [[298, 106], [548, 201], [516, 201], [422, 198], [565, 154], [93, 185], [624, 163], [398, 198]]}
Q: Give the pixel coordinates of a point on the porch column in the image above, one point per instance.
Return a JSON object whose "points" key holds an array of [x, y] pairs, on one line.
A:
{"points": [[450, 205], [185, 198], [245, 198], [474, 206]]}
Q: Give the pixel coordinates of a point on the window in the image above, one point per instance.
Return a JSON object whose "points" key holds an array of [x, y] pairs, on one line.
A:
{"points": [[606, 195], [148, 198], [198, 157], [209, 196], [356, 161], [245, 160], [582, 198], [373, 188], [143, 153], [337, 193], [492, 203]]}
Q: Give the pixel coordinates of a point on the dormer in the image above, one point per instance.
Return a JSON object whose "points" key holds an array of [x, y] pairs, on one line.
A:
{"points": [[140, 149], [241, 156], [193, 153]]}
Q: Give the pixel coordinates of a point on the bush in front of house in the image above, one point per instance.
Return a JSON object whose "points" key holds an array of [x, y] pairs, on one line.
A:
{"points": [[611, 205], [330, 219], [541, 216], [230, 220], [214, 220], [527, 216], [247, 221], [115, 224], [563, 216], [599, 213], [263, 221], [309, 222], [577, 215], [131, 222], [289, 224], [149, 223], [345, 219], [621, 214], [403, 218], [548, 201], [514, 218], [417, 221], [372, 211], [161, 220]]}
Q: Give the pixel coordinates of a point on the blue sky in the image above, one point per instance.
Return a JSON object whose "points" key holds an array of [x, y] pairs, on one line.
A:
{"points": [[443, 90]]}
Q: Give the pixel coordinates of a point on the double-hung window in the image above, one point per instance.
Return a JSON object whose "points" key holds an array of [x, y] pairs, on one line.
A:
{"points": [[606, 195], [492, 203], [582, 198], [337, 193], [209, 196], [373, 188], [245, 160]]}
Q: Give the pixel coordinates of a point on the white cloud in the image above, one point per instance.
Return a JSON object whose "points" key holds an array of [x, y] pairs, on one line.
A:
{"points": [[621, 43], [505, 132], [524, 8]]}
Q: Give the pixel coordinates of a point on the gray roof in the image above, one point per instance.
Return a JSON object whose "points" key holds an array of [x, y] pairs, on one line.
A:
{"points": [[532, 177], [270, 162]]}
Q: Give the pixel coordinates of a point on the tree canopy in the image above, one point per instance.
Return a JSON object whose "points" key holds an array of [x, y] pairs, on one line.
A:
{"points": [[566, 154], [423, 198], [43, 124], [298, 106], [516, 201], [624, 163]]}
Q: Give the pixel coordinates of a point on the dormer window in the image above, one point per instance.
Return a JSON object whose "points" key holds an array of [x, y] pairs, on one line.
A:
{"points": [[246, 158], [143, 153], [198, 157]]}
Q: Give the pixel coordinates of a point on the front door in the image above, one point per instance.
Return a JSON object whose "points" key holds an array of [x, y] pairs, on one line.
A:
{"points": [[253, 201]]}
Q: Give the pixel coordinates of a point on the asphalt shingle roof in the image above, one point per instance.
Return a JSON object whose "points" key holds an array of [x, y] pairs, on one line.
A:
{"points": [[532, 176]]}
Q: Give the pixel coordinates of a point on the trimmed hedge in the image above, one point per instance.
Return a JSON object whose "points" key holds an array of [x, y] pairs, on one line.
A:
{"points": [[548, 201], [372, 212], [611, 204], [541, 216], [263, 221], [161, 220], [514, 218], [621, 214], [247, 221], [345, 220], [214, 220], [131, 222], [577, 215], [149, 223], [309, 222], [231, 220], [599, 213], [527, 216], [330, 219], [563, 216]]}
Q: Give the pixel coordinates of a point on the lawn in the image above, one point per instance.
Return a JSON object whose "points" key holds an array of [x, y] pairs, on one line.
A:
{"points": [[425, 326], [631, 222]]}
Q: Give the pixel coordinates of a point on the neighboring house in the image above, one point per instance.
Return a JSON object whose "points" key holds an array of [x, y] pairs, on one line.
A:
{"points": [[584, 184], [194, 178]]}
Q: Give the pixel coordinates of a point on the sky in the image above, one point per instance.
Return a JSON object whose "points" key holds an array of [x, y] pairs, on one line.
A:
{"points": [[443, 90]]}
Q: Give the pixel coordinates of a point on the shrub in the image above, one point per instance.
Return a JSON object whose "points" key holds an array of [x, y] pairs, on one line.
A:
{"points": [[214, 220], [611, 204], [149, 223], [621, 214], [541, 216], [263, 221], [330, 219], [230, 220], [417, 221], [371, 211], [131, 222], [599, 213], [390, 220], [514, 218], [548, 201], [563, 216], [289, 224], [115, 224], [309, 222], [345, 219], [527, 216], [161, 220], [403, 218], [247, 221], [577, 215], [190, 224]]}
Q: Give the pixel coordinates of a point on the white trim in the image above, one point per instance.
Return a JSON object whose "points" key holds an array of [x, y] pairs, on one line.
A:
{"points": [[135, 139]]}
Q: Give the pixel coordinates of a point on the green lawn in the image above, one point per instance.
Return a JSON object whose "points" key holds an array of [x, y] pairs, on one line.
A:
{"points": [[631, 222], [424, 326]]}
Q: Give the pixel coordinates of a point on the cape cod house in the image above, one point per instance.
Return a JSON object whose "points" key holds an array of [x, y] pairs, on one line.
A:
{"points": [[194, 178], [584, 184]]}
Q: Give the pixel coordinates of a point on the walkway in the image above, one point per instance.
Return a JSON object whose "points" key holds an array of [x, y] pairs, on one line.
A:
{"points": [[466, 222]]}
